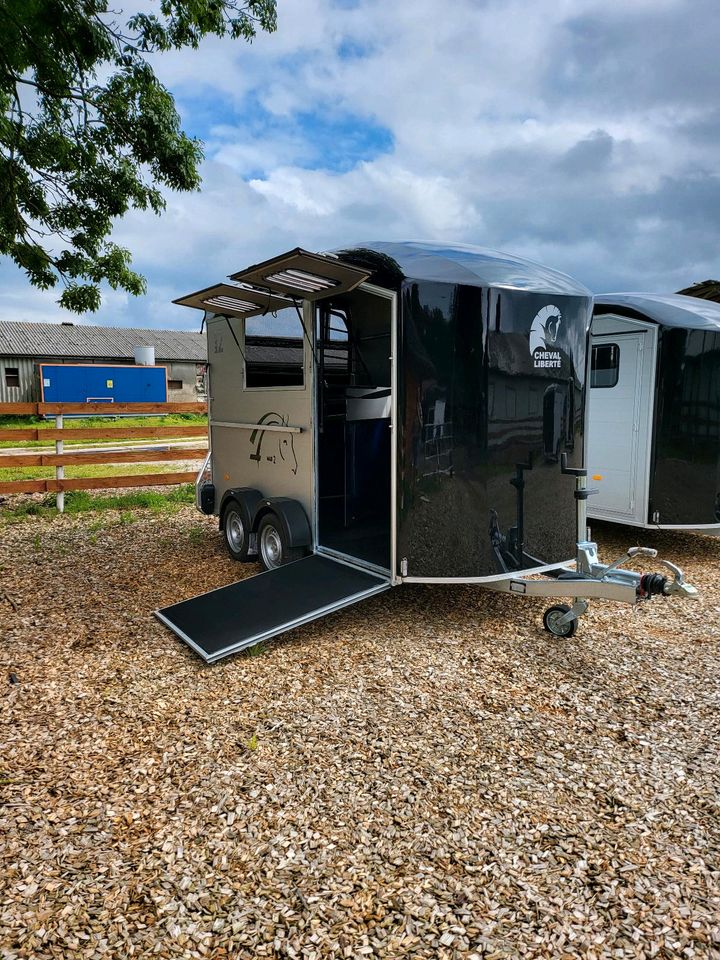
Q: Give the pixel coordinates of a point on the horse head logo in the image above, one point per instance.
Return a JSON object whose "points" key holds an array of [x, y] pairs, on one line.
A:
{"points": [[544, 329], [274, 446]]}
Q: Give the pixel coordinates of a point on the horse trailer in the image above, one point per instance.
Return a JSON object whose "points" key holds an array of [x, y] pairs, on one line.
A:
{"points": [[654, 436], [396, 413]]}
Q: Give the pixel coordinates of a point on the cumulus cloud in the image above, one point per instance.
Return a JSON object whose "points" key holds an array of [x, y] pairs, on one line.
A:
{"points": [[576, 132]]}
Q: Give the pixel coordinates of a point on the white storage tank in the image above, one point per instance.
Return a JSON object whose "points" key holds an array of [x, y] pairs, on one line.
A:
{"points": [[144, 356]]}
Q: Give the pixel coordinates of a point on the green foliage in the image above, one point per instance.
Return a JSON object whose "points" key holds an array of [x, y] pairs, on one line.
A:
{"points": [[10, 422], [86, 470], [87, 130], [80, 501], [256, 650], [196, 535]]}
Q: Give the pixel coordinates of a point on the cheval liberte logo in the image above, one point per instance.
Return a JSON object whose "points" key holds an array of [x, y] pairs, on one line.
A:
{"points": [[543, 334]]}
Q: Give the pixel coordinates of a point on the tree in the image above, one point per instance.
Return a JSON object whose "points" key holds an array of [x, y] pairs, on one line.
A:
{"points": [[88, 131]]}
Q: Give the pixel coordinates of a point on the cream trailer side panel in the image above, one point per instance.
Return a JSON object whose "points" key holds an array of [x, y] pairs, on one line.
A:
{"points": [[261, 435]]}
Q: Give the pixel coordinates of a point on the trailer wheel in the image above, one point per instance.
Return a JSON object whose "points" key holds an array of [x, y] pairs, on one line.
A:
{"points": [[551, 619], [235, 531], [273, 545]]}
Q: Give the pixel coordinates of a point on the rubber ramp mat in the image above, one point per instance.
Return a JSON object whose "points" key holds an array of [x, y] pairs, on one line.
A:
{"points": [[229, 619]]}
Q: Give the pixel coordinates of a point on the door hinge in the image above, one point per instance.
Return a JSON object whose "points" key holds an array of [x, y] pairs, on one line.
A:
{"points": [[403, 567]]}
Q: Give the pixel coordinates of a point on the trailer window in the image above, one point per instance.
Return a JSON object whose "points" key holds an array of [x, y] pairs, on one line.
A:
{"points": [[336, 330], [605, 365], [12, 376], [274, 350]]}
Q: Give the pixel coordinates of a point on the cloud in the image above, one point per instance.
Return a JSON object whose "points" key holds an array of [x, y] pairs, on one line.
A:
{"points": [[582, 134]]}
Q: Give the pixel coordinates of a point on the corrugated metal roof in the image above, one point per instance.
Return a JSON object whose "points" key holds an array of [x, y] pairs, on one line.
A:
{"points": [[285, 351], [82, 341]]}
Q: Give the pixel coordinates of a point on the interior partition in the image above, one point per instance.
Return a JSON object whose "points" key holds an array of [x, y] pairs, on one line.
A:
{"points": [[353, 347]]}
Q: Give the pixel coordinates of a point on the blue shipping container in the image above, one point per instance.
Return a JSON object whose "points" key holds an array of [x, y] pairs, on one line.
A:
{"points": [[87, 383]]}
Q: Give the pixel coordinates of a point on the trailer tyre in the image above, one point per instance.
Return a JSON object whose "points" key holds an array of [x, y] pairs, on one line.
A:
{"points": [[551, 619], [235, 531], [273, 545]]}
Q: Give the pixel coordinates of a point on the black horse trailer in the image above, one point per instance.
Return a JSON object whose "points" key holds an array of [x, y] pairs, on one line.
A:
{"points": [[396, 413], [654, 437]]}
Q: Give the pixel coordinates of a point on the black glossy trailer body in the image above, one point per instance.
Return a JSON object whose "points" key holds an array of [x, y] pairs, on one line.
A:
{"points": [[491, 392], [682, 418]]}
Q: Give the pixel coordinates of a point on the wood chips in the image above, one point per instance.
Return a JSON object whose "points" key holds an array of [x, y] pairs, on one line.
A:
{"points": [[428, 774]]}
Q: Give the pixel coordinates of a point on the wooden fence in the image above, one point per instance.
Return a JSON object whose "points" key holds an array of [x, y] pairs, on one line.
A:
{"points": [[60, 459]]}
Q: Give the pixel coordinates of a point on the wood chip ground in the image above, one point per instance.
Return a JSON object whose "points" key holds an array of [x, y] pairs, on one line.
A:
{"points": [[426, 775]]}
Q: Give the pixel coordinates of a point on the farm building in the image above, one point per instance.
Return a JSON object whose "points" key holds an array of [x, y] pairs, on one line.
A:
{"points": [[25, 346], [705, 290]]}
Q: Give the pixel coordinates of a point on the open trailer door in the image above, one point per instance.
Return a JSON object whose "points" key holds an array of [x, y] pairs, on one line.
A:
{"points": [[235, 617]]}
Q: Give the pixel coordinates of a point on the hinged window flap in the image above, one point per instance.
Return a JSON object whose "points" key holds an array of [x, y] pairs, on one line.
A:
{"points": [[237, 300], [298, 273]]}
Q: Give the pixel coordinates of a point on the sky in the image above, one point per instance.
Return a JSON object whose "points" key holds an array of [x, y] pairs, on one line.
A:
{"points": [[583, 134]]}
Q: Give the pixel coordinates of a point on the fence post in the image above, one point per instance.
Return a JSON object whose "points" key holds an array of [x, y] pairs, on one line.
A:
{"points": [[59, 471]]}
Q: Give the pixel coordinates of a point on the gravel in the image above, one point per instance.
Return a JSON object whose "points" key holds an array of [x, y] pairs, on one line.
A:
{"points": [[429, 774]]}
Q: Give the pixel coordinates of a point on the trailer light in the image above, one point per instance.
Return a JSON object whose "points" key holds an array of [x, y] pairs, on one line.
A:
{"points": [[597, 476], [305, 282]]}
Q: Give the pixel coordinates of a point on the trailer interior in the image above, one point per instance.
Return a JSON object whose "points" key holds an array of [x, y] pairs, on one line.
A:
{"points": [[353, 426]]}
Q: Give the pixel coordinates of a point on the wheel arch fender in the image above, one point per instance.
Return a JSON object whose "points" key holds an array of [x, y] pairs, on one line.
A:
{"points": [[292, 516], [248, 499]]}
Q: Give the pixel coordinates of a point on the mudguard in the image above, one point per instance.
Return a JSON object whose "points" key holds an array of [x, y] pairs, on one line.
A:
{"points": [[249, 500], [292, 516]]}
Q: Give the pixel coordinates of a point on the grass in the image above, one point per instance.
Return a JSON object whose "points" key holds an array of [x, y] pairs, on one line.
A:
{"points": [[81, 501], [257, 650], [70, 424], [89, 470], [196, 535]]}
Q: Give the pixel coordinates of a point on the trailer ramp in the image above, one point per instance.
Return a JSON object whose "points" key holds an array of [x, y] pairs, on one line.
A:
{"points": [[235, 617]]}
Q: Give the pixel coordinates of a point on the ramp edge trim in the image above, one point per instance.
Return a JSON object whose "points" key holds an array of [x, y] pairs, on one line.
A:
{"points": [[315, 614]]}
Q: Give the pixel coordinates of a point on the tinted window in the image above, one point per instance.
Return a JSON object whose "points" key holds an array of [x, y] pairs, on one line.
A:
{"points": [[605, 365], [274, 349]]}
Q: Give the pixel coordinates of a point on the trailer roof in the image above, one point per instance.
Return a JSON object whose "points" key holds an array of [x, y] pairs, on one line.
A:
{"points": [[469, 265], [669, 310]]}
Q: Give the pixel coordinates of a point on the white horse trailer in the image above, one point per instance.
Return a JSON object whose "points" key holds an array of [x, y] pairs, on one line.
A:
{"points": [[654, 437], [394, 413]]}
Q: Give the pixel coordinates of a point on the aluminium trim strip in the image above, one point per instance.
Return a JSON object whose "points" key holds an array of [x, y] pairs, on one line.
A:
{"points": [[394, 439], [274, 427], [183, 636], [711, 529], [517, 575], [351, 561]]}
